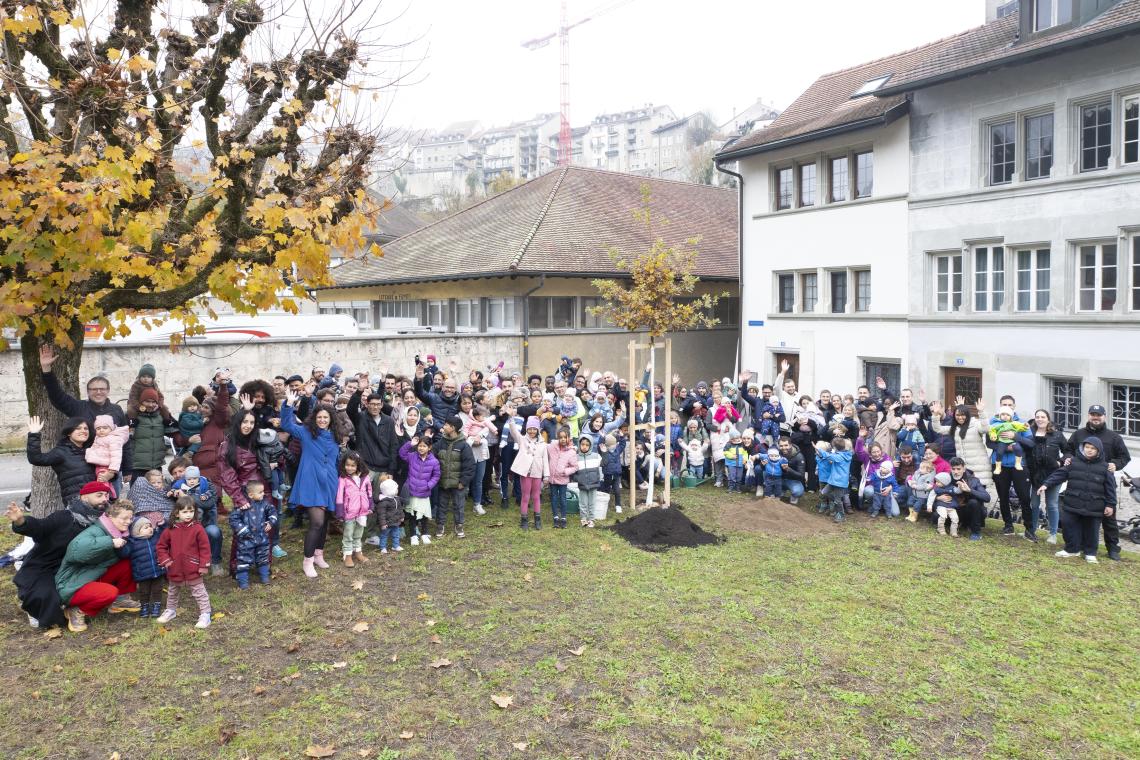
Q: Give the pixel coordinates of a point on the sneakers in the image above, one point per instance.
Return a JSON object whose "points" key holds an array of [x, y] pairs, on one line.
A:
{"points": [[941, 528], [954, 529], [1007, 530], [1064, 554], [348, 560], [384, 550], [1052, 539], [374, 540], [617, 508], [278, 552], [440, 533], [645, 486], [479, 509], [975, 536], [398, 549], [415, 541], [794, 500], [1091, 559], [76, 620], [216, 569], [167, 615], [203, 620], [1114, 555], [33, 622], [589, 523], [459, 532], [124, 603], [426, 539], [1030, 536]]}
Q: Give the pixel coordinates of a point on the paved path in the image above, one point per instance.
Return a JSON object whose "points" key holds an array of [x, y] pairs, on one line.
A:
{"points": [[15, 477]]}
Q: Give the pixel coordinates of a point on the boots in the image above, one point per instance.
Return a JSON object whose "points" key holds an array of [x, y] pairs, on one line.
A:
{"points": [[913, 516], [307, 566], [523, 523], [941, 527], [954, 529], [319, 559], [359, 557], [1017, 463], [348, 561], [537, 521]]}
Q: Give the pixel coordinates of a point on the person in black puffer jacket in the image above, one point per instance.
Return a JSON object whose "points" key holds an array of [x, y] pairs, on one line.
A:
{"points": [[1042, 459], [1089, 498], [1117, 456], [67, 458]]}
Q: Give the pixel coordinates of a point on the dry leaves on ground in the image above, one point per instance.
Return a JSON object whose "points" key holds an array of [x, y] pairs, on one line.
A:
{"points": [[435, 639], [360, 627], [319, 750], [578, 651], [502, 700], [442, 662], [357, 585], [520, 746], [293, 648], [53, 633], [405, 735], [340, 665]]}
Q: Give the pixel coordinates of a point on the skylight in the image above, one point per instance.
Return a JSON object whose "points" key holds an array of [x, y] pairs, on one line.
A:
{"points": [[871, 85]]}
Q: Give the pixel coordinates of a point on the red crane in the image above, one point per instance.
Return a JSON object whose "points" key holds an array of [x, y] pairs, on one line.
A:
{"points": [[563, 36]]}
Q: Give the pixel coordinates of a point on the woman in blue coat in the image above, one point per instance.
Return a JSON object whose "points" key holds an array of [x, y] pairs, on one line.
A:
{"points": [[314, 487]]}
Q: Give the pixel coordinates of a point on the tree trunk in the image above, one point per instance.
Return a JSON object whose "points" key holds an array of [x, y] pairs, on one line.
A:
{"points": [[45, 488]]}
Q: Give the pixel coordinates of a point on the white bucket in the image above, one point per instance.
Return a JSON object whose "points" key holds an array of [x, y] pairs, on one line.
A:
{"points": [[601, 504]]}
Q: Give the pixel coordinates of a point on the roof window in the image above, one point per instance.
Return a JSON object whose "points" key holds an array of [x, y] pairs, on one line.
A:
{"points": [[871, 85]]}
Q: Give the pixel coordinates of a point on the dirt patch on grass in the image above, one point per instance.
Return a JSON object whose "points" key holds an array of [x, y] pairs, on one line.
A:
{"points": [[661, 529], [773, 517]]}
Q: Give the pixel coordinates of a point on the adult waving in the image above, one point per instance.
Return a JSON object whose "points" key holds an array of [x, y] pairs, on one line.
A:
{"points": [[315, 486], [67, 459]]}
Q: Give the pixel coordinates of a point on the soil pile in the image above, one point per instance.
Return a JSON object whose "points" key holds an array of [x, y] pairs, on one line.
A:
{"points": [[657, 530], [773, 517]]}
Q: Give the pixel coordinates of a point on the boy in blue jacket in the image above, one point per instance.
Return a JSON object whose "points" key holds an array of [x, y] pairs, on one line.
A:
{"points": [[838, 465], [612, 452], [145, 570], [884, 484], [252, 527]]}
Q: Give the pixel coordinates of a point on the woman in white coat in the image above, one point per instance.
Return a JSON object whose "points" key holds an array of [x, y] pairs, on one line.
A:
{"points": [[969, 436]]}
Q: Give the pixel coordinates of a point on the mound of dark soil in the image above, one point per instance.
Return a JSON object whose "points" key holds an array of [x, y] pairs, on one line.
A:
{"points": [[657, 530]]}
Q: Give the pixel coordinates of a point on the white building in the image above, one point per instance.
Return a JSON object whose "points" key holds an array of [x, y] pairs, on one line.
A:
{"points": [[622, 141], [440, 162], [1000, 233], [674, 142], [522, 150]]}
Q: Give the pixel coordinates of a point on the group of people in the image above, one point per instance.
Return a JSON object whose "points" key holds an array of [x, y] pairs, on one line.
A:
{"points": [[390, 461]]}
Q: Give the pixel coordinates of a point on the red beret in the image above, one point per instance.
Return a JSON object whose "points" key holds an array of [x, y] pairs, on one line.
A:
{"points": [[149, 394], [96, 486]]}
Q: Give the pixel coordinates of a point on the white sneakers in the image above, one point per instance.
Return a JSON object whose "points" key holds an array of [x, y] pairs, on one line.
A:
{"points": [[372, 540], [1091, 559], [203, 620], [479, 509], [384, 551], [1064, 554], [415, 540], [398, 549], [426, 539], [617, 508], [167, 615], [1052, 539]]}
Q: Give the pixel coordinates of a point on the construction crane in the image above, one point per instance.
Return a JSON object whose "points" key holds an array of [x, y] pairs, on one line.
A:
{"points": [[563, 35]]}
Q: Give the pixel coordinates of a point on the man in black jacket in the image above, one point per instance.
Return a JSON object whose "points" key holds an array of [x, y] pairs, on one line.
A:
{"points": [[794, 470], [1116, 452], [970, 498], [375, 434]]}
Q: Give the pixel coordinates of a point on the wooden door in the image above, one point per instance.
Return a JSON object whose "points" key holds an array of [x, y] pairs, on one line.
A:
{"points": [[960, 381], [793, 361]]}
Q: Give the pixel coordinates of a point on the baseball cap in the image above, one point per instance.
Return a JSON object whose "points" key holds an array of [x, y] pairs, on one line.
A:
{"points": [[1097, 409]]}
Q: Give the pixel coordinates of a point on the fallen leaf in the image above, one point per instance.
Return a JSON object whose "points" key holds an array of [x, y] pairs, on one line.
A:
{"points": [[577, 652], [393, 658], [217, 616], [528, 577], [226, 734], [163, 630], [294, 647], [208, 692], [295, 676], [114, 756], [520, 746], [503, 701], [340, 665], [407, 734], [317, 750], [423, 597], [53, 633], [125, 635], [442, 662], [495, 525], [57, 668], [435, 639], [365, 752], [357, 586], [360, 627], [111, 641], [429, 623], [259, 690], [36, 695], [604, 547], [560, 666]]}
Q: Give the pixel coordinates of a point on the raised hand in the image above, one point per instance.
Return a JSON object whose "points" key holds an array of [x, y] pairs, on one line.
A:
{"points": [[784, 367], [35, 424], [959, 400], [291, 397], [247, 401], [47, 356], [880, 383], [15, 513], [745, 376], [921, 396], [979, 405]]}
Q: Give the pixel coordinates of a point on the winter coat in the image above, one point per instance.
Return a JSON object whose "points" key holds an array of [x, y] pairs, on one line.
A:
{"points": [[389, 512], [978, 491], [603, 408], [67, 460], [971, 449], [612, 458], [248, 524], [149, 431], [878, 482], [441, 406], [719, 441], [144, 557], [588, 476], [213, 434], [233, 479], [376, 441], [456, 462], [921, 483], [88, 556], [423, 474], [886, 433], [530, 458], [561, 463], [205, 495], [735, 455], [1091, 487], [1046, 455], [35, 580], [316, 481], [190, 424], [915, 440], [797, 464], [838, 467], [107, 450], [479, 436], [353, 497], [1115, 452], [774, 468], [760, 407], [86, 410], [184, 550], [134, 401]]}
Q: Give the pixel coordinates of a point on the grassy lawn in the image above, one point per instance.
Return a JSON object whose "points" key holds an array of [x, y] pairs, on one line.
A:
{"points": [[876, 640]]}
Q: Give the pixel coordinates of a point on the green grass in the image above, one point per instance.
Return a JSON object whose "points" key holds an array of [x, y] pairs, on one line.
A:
{"points": [[884, 640]]}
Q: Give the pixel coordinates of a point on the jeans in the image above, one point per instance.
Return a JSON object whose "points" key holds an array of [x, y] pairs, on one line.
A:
{"points": [[735, 477], [697, 470], [773, 485], [506, 459], [477, 482], [885, 503], [793, 487], [1052, 508], [450, 500], [392, 532], [1082, 533], [558, 500], [214, 533], [902, 495], [916, 502], [612, 485]]}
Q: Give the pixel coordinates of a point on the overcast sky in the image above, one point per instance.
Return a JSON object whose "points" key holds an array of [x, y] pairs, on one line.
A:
{"points": [[717, 55]]}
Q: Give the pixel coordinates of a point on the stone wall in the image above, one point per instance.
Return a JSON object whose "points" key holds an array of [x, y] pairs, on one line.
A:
{"points": [[178, 373]]}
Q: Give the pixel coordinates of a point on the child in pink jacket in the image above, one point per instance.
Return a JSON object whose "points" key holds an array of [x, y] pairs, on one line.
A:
{"points": [[106, 451], [353, 505], [529, 465], [562, 462]]}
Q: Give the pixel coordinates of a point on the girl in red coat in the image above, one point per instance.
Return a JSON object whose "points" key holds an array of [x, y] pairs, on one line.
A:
{"points": [[184, 550]]}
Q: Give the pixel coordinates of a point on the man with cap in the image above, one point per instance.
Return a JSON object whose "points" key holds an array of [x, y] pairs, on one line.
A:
{"points": [[1115, 452], [97, 403], [35, 582]]}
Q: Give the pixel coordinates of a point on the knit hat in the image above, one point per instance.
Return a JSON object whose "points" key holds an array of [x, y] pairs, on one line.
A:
{"points": [[886, 468], [148, 394], [191, 472], [570, 393], [774, 454], [96, 486], [137, 524], [266, 436], [188, 402], [532, 422], [611, 440], [455, 421], [389, 488], [104, 420], [942, 478], [147, 370], [431, 357]]}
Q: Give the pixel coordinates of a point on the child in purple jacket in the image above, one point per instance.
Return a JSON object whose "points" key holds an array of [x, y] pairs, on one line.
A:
{"points": [[423, 475]]}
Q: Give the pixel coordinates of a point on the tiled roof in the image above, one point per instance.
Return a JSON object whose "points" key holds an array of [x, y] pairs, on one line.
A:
{"points": [[394, 222], [562, 223], [996, 44]]}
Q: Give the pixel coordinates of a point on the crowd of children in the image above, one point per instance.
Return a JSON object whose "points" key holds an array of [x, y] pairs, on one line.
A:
{"points": [[378, 460]]}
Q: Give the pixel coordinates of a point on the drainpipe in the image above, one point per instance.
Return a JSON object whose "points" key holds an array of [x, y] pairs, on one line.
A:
{"points": [[526, 323], [740, 265]]}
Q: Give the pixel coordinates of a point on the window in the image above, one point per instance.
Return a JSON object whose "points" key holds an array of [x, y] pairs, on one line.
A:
{"points": [[1096, 136], [1131, 130], [588, 319], [437, 314], [889, 371], [1124, 411], [785, 185], [1065, 404], [1038, 146], [989, 278], [501, 314], [1050, 13], [807, 185], [871, 85], [839, 179], [863, 290], [1136, 273], [398, 309], [786, 292], [948, 282], [361, 311], [839, 292], [809, 286], [1096, 277], [551, 313], [1033, 280], [727, 310], [467, 314], [864, 174], [1002, 149]]}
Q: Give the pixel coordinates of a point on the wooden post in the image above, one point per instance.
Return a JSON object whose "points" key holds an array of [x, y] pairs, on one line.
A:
{"points": [[667, 384], [631, 444]]}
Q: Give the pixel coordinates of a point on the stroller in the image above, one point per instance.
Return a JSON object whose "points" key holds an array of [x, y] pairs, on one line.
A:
{"points": [[1132, 525]]}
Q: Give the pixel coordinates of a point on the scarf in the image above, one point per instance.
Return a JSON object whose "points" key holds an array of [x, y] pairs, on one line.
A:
{"points": [[83, 514], [110, 527]]}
